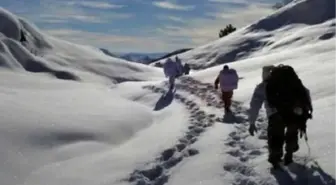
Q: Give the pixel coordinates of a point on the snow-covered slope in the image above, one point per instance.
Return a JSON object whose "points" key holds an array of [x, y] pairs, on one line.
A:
{"points": [[43, 53], [294, 25], [61, 132]]}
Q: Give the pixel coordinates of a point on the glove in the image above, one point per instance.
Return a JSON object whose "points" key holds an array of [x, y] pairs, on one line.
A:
{"points": [[310, 115], [252, 129]]}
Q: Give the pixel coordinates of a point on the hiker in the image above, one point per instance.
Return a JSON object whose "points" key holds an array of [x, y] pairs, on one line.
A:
{"points": [[288, 106], [186, 69], [170, 70], [179, 66], [228, 80]]}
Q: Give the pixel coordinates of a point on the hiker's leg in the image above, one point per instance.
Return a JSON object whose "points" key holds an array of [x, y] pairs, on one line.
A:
{"points": [[229, 101], [276, 137], [171, 82], [292, 141], [225, 97]]}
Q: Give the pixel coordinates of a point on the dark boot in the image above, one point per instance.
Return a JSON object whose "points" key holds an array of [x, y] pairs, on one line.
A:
{"points": [[274, 163], [288, 159]]}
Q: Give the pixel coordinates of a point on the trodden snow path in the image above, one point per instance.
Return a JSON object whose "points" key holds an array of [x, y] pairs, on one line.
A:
{"points": [[246, 159], [157, 172]]}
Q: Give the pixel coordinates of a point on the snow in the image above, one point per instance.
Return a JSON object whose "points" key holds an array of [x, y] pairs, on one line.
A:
{"points": [[72, 115]]}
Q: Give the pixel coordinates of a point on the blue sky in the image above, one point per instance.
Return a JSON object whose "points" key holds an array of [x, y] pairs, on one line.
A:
{"points": [[139, 25]]}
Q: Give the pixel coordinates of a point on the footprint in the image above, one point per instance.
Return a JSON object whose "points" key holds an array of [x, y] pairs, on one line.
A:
{"points": [[232, 143], [183, 141], [235, 153], [180, 147], [167, 154], [193, 133], [192, 152], [239, 167], [172, 162], [198, 130], [189, 137], [244, 158], [191, 127], [152, 173], [193, 140]]}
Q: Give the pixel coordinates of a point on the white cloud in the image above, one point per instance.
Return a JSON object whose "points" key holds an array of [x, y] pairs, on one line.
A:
{"points": [[202, 30], [60, 12], [171, 18], [244, 16], [191, 33], [172, 6], [65, 17], [69, 14], [96, 4], [117, 42], [230, 1], [53, 21]]}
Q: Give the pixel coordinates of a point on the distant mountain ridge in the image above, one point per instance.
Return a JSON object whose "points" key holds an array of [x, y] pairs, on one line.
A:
{"points": [[144, 58]]}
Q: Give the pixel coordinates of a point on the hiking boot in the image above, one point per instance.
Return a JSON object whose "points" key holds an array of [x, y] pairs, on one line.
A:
{"points": [[274, 162], [288, 159], [228, 110]]}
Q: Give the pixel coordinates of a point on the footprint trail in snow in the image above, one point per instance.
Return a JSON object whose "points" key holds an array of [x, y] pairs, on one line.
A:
{"points": [[240, 151], [157, 172]]}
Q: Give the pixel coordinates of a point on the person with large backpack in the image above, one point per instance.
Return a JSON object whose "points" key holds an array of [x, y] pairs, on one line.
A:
{"points": [[186, 69], [288, 107], [228, 80]]}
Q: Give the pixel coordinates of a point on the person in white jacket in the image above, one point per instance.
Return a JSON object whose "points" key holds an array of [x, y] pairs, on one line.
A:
{"points": [[228, 81], [170, 70], [276, 123]]}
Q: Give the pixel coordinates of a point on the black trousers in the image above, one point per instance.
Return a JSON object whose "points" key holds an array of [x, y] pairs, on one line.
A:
{"points": [[282, 131]]}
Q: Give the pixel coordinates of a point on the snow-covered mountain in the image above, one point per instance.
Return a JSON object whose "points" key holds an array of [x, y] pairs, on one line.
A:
{"points": [[141, 57], [67, 118]]}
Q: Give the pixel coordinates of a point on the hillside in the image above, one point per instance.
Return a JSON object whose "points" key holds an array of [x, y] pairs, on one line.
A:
{"points": [[43, 53], [291, 26]]}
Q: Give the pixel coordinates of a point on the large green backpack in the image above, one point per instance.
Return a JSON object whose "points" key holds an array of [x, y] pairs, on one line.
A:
{"points": [[285, 92]]}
